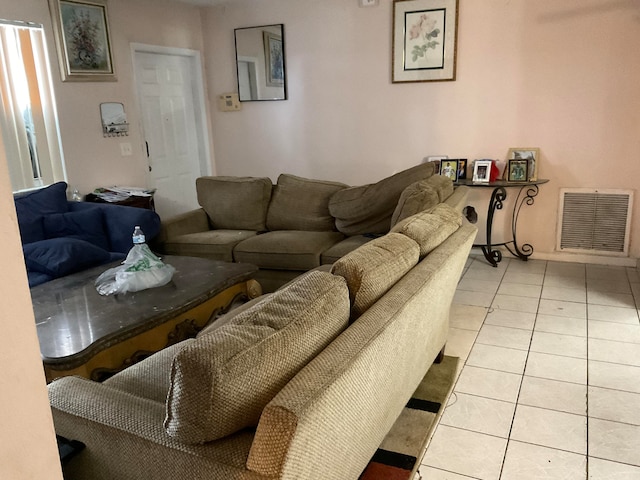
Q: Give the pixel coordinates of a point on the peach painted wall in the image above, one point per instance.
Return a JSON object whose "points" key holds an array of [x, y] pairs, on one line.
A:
{"points": [[561, 75]]}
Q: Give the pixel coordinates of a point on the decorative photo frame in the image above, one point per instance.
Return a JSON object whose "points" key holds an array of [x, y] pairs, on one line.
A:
{"points": [[83, 40], [482, 171], [424, 40], [518, 170], [449, 169], [274, 59], [531, 154]]}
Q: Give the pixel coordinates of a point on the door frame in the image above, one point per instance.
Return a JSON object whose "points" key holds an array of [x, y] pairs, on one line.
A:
{"points": [[199, 99]]}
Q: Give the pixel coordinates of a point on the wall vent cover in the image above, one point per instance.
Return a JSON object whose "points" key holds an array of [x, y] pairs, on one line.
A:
{"points": [[594, 221]]}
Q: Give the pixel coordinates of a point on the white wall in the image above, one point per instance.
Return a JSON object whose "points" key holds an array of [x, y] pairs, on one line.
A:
{"points": [[561, 75]]}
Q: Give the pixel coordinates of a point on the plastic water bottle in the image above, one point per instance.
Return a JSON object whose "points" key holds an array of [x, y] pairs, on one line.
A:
{"points": [[138, 236]]}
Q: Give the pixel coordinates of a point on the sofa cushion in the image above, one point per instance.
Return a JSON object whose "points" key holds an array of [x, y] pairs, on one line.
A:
{"points": [[221, 381], [417, 197], [430, 228], [368, 208], [32, 206], [235, 203], [302, 204], [347, 245], [58, 257], [84, 225], [443, 185], [375, 267], [286, 249], [214, 244]]}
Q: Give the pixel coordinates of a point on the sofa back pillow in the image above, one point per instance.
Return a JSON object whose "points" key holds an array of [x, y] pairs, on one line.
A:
{"points": [[430, 228], [58, 257], [221, 382], [84, 225], [372, 269], [302, 204], [368, 208], [32, 206], [417, 197], [235, 203], [443, 185]]}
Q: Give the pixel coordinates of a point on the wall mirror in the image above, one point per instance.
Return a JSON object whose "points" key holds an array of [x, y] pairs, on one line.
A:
{"points": [[260, 63]]}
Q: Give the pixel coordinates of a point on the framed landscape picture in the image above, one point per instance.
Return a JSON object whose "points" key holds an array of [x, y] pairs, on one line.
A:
{"points": [[424, 40], [531, 155], [83, 40]]}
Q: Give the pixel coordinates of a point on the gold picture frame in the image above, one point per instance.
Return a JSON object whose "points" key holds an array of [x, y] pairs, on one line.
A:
{"points": [[532, 154]]}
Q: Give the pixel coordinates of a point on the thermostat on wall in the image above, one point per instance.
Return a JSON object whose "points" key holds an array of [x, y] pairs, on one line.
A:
{"points": [[229, 102]]}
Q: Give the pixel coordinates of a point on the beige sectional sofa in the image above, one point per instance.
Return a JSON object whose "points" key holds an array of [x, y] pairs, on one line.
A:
{"points": [[299, 223], [302, 383]]}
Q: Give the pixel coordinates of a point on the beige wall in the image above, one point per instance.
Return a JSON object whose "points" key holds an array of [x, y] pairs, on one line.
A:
{"points": [[561, 75]]}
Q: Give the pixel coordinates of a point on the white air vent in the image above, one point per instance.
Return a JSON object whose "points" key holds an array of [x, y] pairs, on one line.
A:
{"points": [[594, 221]]}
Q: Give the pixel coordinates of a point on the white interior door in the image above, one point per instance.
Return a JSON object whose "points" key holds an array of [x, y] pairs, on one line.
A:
{"points": [[168, 96]]}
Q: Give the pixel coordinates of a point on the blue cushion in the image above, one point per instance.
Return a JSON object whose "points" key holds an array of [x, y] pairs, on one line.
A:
{"points": [[85, 225], [37, 278], [30, 207], [58, 257]]}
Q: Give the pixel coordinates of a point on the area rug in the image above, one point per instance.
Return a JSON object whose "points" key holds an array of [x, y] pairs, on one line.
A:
{"points": [[399, 454]]}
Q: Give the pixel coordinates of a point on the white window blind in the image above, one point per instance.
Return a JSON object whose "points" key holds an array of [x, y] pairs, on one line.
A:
{"points": [[28, 119]]}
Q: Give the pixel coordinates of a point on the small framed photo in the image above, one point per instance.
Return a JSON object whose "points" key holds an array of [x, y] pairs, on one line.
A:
{"points": [[462, 169], [482, 171], [531, 155], [518, 171], [449, 169]]}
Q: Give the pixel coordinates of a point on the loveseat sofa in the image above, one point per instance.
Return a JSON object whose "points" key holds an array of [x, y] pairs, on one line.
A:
{"points": [[299, 223], [61, 237], [303, 383]]}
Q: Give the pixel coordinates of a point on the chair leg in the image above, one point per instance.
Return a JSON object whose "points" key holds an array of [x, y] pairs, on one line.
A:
{"points": [[440, 356]]}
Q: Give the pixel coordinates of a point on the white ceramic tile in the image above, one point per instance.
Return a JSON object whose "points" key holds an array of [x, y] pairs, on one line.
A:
{"points": [[528, 278], [624, 300], [566, 282], [614, 441], [518, 304], [489, 383], [562, 309], [566, 269], [556, 344], [504, 337], [555, 367], [479, 414], [614, 405], [606, 470], [633, 275], [566, 294], [430, 473], [497, 358], [614, 331], [477, 285], [614, 352], [467, 317], [561, 325], [526, 462], [520, 290], [553, 395], [611, 286], [530, 266], [605, 271], [459, 342], [613, 375], [612, 314], [510, 318], [487, 273], [478, 299], [549, 428], [467, 453]]}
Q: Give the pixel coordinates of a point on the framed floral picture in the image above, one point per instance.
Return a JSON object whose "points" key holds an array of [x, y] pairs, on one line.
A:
{"points": [[274, 59], [531, 155], [83, 40], [424, 40]]}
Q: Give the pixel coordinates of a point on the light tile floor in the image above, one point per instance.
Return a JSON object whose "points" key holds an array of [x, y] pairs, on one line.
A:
{"points": [[549, 383]]}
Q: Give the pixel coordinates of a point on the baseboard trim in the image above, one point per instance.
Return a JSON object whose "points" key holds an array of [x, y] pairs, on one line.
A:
{"points": [[573, 258]]}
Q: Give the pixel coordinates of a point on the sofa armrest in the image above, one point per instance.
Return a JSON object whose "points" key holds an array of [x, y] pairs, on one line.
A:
{"points": [[458, 199], [193, 221]]}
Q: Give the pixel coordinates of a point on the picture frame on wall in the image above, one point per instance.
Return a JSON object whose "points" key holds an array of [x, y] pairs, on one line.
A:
{"points": [[83, 41], [518, 170], [274, 59], [424, 40], [482, 171], [449, 169], [531, 154]]}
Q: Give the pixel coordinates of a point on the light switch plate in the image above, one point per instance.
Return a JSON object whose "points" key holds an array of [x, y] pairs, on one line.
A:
{"points": [[368, 3], [229, 102]]}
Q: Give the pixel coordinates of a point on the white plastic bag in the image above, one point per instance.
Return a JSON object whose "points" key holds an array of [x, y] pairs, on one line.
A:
{"points": [[139, 271]]}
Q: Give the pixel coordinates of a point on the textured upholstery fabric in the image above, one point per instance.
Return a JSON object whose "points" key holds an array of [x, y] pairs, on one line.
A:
{"points": [[286, 249], [84, 225], [429, 229], [302, 204], [443, 185], [375, 267], [221, 381], [57, 257], [213, 244], [347, 245], [235, 203], [368, 208], [417, 197]]}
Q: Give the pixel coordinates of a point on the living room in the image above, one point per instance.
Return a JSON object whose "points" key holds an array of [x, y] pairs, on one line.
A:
{"points": [[547, 74]]}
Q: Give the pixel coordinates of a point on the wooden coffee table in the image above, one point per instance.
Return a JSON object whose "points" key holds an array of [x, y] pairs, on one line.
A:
{"points": [[83, 333]]}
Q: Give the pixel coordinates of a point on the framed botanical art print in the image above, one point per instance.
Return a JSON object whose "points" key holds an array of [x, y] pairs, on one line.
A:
{"points": [[531, 155], [83, 40], [424, 40], [274, 59]]}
